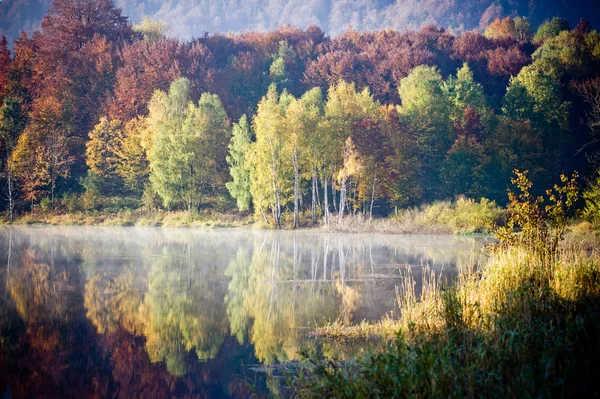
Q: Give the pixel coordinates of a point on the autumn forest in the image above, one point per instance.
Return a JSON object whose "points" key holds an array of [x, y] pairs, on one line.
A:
{"points": [[292, 125]]}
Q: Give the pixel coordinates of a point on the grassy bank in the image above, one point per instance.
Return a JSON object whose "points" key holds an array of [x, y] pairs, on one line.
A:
{"points": [[464, 216], [136, 218]]}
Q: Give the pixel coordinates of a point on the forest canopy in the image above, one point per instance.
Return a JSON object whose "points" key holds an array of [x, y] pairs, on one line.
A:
{"points": [[100, 114]]}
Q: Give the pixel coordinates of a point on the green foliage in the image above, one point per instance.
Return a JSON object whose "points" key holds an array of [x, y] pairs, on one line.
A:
{"points": [[283, 60], [427, 111], [46, 204], [571, 55], [189, 145], [532, 95], [591, 195], [239, 149], [463, 170], [551, 29], [523, 29], [71, 202], [463, 216], [150, 198], [463, 91], [270, 167]]}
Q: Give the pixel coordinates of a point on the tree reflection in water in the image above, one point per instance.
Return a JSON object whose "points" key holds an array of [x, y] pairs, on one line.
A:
{"points": [[136, 311]]}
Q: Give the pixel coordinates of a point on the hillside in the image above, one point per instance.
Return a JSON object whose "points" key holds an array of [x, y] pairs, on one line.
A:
{"points": [[192, 18]]}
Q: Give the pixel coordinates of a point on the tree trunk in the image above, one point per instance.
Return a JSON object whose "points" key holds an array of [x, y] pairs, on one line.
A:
{"points": [[325, 202], [372, 197], [313, 208], [342, 196], [276, 208], [296, 189], [53, 181], [8, 258], [11, 203], [262, 212], [334, 196]]}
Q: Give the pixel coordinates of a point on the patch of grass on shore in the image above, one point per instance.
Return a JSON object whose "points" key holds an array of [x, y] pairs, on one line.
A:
{"points": [[463, 216], [136, 218]]}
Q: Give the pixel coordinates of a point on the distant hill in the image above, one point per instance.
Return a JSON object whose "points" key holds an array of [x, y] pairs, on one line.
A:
{"points": [[192, 18]]}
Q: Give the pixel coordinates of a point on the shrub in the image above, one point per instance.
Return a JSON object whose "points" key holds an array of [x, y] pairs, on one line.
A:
{"points": [[463, 216], [591, 211], [150, 198], [71, 202], [538, 223], [45, 204]]}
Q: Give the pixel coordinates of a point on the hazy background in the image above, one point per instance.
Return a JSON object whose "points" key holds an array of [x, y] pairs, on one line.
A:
{"points": [[192, 18]]}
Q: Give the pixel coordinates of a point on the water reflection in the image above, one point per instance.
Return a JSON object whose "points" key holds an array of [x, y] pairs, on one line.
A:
{"points": [[143, 311]]}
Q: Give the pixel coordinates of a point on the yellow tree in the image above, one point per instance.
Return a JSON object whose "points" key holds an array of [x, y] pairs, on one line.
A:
{"points": [[132, 165], [344, 108], [270, 167]]}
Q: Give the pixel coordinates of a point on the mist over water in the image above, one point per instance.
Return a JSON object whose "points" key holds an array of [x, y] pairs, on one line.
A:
{"points": [[134, 311]]}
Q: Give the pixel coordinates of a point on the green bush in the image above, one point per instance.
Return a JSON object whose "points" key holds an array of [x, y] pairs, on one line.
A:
{"points": [[461, 217], [46, 204], [150, 199], [71, 202], [591, 211]]}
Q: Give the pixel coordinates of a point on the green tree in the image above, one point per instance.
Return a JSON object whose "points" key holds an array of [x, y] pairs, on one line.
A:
{"points": [[463, 91], [551, 29], [189, 144], [312, 141], [279, 71], [239, 169], [427, 111], [569, 55], [523, 29], [534, 96], [591, 211]]}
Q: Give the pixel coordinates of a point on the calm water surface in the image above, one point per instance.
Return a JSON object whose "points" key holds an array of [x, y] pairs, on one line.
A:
{"points": [[151, 312]]}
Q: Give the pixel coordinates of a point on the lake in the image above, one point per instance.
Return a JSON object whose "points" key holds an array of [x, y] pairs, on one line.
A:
{"points": [[156, 312]]}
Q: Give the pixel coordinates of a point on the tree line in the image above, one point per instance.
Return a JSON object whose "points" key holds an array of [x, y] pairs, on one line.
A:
{"points": [[95, 108]]}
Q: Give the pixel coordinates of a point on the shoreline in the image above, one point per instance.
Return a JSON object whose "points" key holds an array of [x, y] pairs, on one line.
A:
{"points": [[351, 224]]}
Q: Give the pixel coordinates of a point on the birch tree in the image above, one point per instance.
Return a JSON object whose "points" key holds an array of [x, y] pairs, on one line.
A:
{"points": [[270, 177], [239, 169]]}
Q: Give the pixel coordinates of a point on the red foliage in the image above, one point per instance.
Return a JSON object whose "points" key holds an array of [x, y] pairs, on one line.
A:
{"points": [[470, 46], [5, 60], [146, 67], [506, 61]]}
